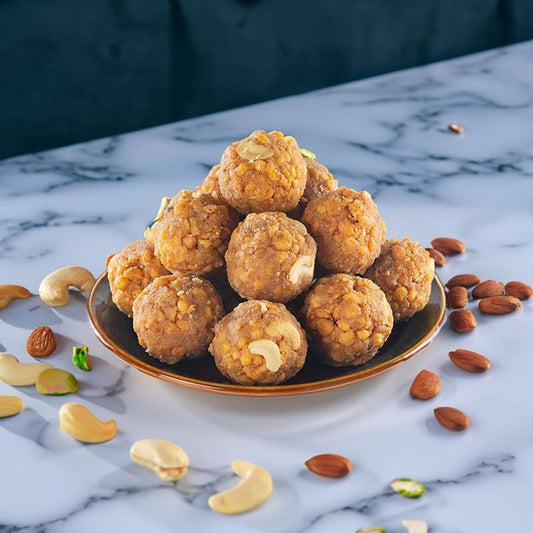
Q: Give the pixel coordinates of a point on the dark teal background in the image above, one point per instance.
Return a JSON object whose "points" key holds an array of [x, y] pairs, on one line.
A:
{"points": [[73, 70]]}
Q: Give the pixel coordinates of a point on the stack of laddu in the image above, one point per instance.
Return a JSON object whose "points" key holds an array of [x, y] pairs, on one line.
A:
{"points": [[266, 254]]}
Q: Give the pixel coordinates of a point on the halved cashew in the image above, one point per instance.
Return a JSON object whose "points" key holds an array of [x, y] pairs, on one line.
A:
{"points": [[10, 405], [415, 526], [252, 151], [53, 290], [19, 374], [78, 422], [303, 266], [253, 489], [168, 460], [269, 350], [287, 330], [8, 293]]}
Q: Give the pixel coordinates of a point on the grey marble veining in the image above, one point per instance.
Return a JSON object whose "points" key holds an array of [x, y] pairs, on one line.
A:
{"points": [[388, 135]]}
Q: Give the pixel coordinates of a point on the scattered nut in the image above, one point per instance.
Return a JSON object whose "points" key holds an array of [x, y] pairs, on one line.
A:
{"points": [[488, 288], [78, 422], [462, 320], [371, 530], [81, 358], [463, 280], [8, 293], [457, 297], [415, 526], [41, 342], [499, 305], [407, 487], [56, 382], [10, 405], [19, 374], [53, 289], [456, 128], [307, 153], [329, 465], [451, 418], [519, 290], [437, 256], [254, 488], [252, 151], [168, 460], [269, 350], [448, 246], [470, 361], [425, 386]]}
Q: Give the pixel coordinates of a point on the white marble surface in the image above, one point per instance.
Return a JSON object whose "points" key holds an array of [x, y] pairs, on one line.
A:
{"points": [[388, 135]]}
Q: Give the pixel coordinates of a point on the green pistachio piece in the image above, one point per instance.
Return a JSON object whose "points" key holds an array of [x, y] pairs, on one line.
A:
{"points": [[408, 487], [310, 155], [81, 358], [147, 232], [56, 382], [371, 530], [164, 202]]}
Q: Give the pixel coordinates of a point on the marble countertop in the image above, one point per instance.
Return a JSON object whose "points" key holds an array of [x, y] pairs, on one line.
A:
{"points": [[388, 135]]}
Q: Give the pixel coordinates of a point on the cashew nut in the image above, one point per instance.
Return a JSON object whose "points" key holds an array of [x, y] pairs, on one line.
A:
{"points": [[8, 293], [53, 290], [287, 330], [165, 458], [10, 405], [253, 489], [269, 350], [415, 526], [252, 151], [303, 266], [78, 422], [19, 374]]}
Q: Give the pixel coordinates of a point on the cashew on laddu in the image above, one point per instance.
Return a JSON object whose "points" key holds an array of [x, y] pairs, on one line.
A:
{"points": [[253, 489], [53, 289]]}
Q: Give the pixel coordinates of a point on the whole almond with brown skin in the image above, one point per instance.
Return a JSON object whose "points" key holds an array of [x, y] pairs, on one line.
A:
{"points": [[463, 280], [329, 465], [451, 418], [462, 320], [448, 246], [499, 305], [457, 297], [487, 288], [436, 256], [470, 361], [41, 342], [519, 290], [425, 386]]}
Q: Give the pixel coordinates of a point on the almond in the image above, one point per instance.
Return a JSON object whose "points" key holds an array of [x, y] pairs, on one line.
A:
{"points": [[329, 465], [499, 305], [437, 256], [41, 342], [457, 297], [470, 361], [463, 280], [451, 418], [519, 290], [462, 320], [425, 386], [487, 288], [448, 246]]}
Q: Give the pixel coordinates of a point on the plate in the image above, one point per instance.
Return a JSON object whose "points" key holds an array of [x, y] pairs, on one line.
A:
{"points": [[115, 331]]}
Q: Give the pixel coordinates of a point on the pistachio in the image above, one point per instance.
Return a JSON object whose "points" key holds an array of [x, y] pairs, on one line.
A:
{"points": [[78, 422], [407, 487], [371, 530], [307, 153], [252, 151], [10, 405], [19, 374], [56, 382], [270, 352], [253, 489], [81, 358], [168, 460]]}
